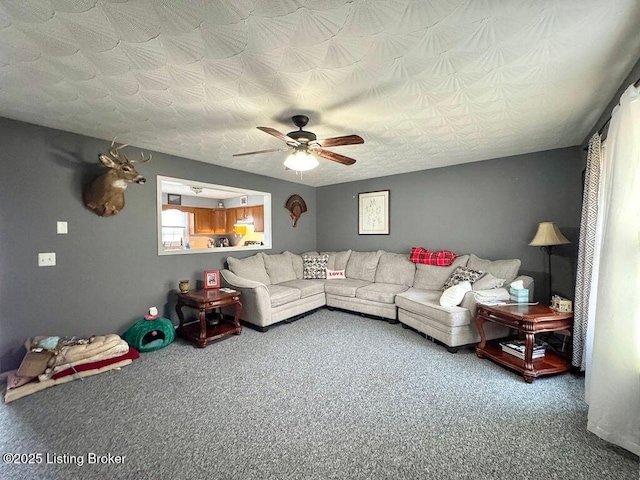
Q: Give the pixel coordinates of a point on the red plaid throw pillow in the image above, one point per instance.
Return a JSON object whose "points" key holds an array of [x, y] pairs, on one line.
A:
{"points": [[443, 258]]}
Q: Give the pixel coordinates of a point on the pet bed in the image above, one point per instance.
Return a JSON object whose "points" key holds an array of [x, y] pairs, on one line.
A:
{"points": [[80, 371], [150, 333]]}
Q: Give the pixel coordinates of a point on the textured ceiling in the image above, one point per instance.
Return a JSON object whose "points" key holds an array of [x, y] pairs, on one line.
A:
{"points": [[426, 83]]}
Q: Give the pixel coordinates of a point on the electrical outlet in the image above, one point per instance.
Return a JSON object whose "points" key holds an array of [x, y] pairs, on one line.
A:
{"points": [[61, 228], [46, 259]]}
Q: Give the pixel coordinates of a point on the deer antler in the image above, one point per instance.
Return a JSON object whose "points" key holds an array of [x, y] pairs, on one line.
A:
{"points": [[114, 151], [142, 159]]}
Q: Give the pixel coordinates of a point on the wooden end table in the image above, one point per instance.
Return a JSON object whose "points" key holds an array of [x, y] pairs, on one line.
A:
{"points": [[527, 320], [200, 332]]}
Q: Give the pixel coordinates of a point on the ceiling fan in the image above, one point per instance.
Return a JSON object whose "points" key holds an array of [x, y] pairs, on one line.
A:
{"points": [[306, 146]]}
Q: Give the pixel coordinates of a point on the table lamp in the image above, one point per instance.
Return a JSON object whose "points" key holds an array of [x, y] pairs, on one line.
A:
{"points": [[547, 236]]}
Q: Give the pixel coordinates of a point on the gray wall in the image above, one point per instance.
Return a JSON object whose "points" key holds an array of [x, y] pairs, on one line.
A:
{"points": [[108, 272], [490, 208]]}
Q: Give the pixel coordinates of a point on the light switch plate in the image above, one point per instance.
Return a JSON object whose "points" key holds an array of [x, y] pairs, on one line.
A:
{"points": [[62, 228], [46, 259]]}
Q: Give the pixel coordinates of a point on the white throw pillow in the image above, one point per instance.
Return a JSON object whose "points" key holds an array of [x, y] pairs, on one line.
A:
{"points": [[335, 274], [453, 296]]}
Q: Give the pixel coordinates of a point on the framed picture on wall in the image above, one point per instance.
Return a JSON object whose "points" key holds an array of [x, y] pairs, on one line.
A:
{"points": [[173, 199], [373, 213], [211, 279], [244, 200]]}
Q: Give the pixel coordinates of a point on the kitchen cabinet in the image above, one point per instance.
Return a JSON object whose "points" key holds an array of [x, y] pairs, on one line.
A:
{"points": [[203, 220], [231, 219], [241, 213], [219, 221], [212, 221], [237, 214], [257, 212]]}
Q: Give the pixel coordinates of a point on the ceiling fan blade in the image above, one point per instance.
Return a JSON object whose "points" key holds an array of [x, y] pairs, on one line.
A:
{"points": [[336, 157], [261, 151], [339, 141], [279, 135]]}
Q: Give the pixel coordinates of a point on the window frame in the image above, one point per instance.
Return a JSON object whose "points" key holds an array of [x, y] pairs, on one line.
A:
{"points": [[240, 192]]}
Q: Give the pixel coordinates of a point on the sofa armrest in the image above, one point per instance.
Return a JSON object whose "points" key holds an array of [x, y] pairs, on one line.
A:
{"points": [[473, 297], [254, 296]]}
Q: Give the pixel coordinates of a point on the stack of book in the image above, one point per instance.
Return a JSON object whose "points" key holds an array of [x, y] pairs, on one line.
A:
{"points": [[517, 347]]}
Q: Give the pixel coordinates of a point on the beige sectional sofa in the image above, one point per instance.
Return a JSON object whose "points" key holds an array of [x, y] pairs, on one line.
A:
{"points": [[381, 284]]}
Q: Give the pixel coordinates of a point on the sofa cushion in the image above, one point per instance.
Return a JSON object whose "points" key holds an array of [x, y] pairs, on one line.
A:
{"points": [[337, 260], [314, 266], [427, 303], [346, 287], [432, 277], [362, 265], [298, 264], [381, 292], [487, 282], [279, 267], [251, 268], [395, 268], [507, 269], [307, 287], [280, 295], [453, 295], [462, 274]]}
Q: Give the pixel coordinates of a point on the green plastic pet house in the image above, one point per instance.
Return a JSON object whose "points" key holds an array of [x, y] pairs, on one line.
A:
{"points": [[149, 334]]}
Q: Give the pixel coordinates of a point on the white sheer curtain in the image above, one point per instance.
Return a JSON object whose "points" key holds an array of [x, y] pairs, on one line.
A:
{"points": [[613, 372]]}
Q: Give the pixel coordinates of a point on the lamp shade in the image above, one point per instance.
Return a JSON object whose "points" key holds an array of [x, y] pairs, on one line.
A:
{"points": [[301, 161], [548, 234]]}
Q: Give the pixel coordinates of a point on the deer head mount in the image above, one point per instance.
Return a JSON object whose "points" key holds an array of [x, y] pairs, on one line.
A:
{"points": [[296, 206], [105, 194]]}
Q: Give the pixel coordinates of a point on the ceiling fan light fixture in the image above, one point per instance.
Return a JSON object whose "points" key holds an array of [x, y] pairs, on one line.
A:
{"points": [[301, 161], [303, 143]]}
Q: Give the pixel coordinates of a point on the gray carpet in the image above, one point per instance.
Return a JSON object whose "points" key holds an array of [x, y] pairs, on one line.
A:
{"points": [[332, 395]]}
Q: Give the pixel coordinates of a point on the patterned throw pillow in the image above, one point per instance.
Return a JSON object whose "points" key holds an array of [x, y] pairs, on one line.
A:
{"points": [[462, 274], [314, 267]]}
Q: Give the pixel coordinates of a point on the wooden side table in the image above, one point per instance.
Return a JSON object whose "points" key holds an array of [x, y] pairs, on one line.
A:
{"points": [[527, 320], [199, 332]]}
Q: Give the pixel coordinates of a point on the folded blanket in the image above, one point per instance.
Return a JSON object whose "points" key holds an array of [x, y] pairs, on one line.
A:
{"points": [[119, 349], [131, 354], [99, 343], [69, 354], [29, 388], [84, 370]]}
